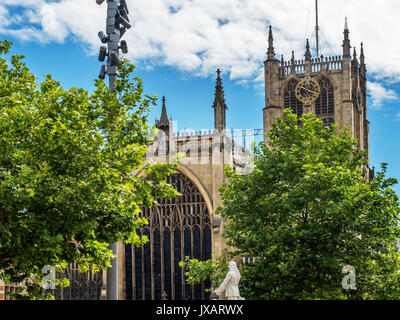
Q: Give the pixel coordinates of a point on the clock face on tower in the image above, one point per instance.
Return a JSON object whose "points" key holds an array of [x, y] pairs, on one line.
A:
{"points": [[307, 90]]}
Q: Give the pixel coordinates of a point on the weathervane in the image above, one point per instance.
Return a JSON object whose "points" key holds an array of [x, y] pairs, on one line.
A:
{"points": [[117, 24]]}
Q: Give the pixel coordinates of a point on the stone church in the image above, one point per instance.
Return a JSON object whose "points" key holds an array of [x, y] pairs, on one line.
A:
{"points": [[333, 88], [187, 225]]}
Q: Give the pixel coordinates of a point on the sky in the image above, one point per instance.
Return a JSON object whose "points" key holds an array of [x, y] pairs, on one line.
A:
{"points": [[177, 45]]}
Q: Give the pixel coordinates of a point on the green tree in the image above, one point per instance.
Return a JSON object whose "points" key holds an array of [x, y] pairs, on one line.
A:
{"points": [[197, 271], [306, 211], [72, 175]]}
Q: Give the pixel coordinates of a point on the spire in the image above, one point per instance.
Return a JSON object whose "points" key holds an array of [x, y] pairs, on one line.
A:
{"points": [[355, 55], [308, 52], [219, 92], [362, 57], [219, 81], [271, 51], [354, 63], [164, 117], [219, 104], [363, 67], [163, 122], [346, 41]]}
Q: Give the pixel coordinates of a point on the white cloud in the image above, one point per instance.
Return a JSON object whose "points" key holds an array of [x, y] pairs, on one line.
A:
{"points": [[380, 94], [3, 17], [200, 35]]}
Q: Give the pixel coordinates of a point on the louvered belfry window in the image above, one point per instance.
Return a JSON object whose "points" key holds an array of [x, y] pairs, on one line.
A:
{"points": [[325, 104], [177, 228], [290, 99]]}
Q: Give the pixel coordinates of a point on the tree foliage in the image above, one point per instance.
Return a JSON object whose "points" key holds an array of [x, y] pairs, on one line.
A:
{"points": [[72, 176], [306, 211], [214, 269]]}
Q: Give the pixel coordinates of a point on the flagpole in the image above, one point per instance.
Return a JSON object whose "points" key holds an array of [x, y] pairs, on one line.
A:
{"points": [[317, 27]]}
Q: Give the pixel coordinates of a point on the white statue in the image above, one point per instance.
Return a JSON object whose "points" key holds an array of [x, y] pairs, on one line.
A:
{"points": [[231, 283]]}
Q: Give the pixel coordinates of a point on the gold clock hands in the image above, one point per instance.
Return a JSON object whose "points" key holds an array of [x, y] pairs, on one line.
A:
{"points": [[316, 92], [312, 91]]}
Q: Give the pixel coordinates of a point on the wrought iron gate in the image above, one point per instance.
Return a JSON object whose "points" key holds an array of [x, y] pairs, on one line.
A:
{"points": [[82, 285]]}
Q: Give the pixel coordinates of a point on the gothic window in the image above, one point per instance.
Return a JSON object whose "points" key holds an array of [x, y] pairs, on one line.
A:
{"points": [[291, 101], [325, 104], [177, 228]]}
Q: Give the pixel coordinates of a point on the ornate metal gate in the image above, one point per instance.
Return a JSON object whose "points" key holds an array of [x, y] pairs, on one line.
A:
{"points": [[177, 228], [82, 285]]}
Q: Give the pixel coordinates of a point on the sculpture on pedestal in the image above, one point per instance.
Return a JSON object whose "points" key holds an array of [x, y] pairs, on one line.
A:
{"points": [[231, 283]]}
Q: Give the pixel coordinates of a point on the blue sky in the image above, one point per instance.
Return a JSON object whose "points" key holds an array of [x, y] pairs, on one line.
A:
{"points": [[177, 45]]}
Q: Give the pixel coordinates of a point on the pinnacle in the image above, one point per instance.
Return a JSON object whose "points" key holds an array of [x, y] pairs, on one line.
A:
{"points": [[271, 50], [164, 118], [219, 92]]}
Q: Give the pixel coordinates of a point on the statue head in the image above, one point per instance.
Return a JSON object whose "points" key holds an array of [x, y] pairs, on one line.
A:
{"points": [[232, 266]]}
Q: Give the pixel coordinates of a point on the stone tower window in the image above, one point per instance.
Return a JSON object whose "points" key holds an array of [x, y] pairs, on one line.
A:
{"points": [[325, 104], [290, 99]]}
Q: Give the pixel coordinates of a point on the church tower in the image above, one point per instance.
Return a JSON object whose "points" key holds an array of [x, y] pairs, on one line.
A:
{"points": [[339, 85]]}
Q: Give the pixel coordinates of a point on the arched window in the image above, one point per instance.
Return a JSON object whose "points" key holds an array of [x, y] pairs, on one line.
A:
{"points": [[177, 228], [290, 99], [325, 104]]}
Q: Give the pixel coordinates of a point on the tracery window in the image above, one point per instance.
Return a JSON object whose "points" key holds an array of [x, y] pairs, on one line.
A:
{"points": [[290, 99], [325, 103], [177, 228]]}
